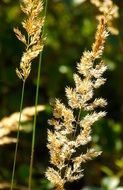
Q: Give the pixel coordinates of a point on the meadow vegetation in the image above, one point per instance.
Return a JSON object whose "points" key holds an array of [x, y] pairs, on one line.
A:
{"points": [[81, 149]]}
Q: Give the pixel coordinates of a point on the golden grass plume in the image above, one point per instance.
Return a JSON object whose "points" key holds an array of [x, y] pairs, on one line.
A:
{"points": [[71, 129], [32, 40]]}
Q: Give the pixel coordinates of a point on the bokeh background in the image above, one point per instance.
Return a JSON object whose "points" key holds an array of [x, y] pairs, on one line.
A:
{"points": [[70, 29]]}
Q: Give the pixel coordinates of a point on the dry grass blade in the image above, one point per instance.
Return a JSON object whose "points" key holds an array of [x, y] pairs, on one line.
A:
{"points": [[6, 186], [10, 123]]}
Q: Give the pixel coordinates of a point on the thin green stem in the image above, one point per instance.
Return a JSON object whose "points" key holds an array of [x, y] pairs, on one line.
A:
{"points": [[74, 133], [18, 134], [35, 116]]}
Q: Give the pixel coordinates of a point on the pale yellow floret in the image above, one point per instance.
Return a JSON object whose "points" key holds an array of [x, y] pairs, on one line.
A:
{"points": [[108, 8]]}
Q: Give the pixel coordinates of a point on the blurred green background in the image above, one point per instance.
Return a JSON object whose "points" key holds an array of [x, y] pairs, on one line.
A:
{"points": [[70, 29]]}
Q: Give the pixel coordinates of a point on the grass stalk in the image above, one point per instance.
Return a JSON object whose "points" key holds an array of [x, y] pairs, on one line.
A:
{"points": [[18, 134], [35, 116]]}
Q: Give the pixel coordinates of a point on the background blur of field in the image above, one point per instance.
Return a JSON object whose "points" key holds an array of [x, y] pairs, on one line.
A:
{"points": [[70, 29]]}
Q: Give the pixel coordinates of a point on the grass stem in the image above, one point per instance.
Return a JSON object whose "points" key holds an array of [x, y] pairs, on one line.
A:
{"points": [[18, 134], [35, 116]]}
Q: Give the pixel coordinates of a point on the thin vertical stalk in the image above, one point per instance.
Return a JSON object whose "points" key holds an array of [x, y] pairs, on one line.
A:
{"points": [[18, 134], [35, 116]]}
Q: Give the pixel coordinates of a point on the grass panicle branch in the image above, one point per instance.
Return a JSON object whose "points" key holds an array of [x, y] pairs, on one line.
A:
{"points": [[72, 130]]}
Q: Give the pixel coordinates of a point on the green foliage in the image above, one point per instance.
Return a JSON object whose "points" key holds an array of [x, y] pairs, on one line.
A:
{"points": [[70, 28]]}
